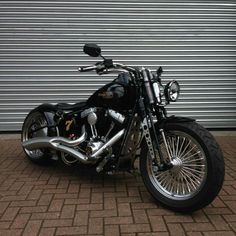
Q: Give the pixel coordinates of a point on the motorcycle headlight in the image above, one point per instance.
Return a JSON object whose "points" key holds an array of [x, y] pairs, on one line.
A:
{"points": [[171, 91]]}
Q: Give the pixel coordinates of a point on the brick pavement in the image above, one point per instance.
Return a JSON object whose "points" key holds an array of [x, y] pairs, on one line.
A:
{"points": [[58, 200]]}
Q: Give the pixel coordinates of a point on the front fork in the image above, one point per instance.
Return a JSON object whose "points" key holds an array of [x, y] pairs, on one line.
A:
{"points": [[148, 128]]}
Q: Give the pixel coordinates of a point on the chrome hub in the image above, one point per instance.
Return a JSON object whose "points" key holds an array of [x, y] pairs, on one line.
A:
{"points": [[177, 165]]}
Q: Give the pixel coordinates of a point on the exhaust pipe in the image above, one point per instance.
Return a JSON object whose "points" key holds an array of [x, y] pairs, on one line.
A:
{"points": [[59, 144], [66, 145]]}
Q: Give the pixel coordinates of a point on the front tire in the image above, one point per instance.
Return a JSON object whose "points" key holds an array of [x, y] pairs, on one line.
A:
{"points": [[198, 168]]}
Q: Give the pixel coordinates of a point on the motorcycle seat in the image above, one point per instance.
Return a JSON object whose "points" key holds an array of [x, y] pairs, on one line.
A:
{"points": [[71, 107]]}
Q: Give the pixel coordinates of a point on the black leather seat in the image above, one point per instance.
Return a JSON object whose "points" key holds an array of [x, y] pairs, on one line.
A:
{"points": [[69, 107]]}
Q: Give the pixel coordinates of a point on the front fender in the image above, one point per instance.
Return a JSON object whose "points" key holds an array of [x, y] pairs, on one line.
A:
{"points": [[173, 119]]}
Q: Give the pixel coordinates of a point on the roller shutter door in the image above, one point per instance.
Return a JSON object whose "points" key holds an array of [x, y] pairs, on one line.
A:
{"points": [[41, 49]]}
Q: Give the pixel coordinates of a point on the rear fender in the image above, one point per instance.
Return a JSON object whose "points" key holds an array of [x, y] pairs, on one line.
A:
{"points": [[46, 107], [49, 111]]}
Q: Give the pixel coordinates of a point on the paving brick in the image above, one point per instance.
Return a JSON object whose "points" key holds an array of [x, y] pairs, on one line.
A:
{"points": [[157, 223], [194, 233], [65, 195], [110, 203], [45, 200], [10, 213], [94, 206], [75, 230], [154, 234], [32, 228], [119, 220], [124, 209], [140, 216], [219, 222], [23, 203], [56, 205], [16, 186], [97, 198], [3, 206], [95, 226], [20, 221], [129, 228], [198, 227], [178, 219], [45, 215], [5, 225], [33, 209], [84, 193], [81, 218], [219, 233], [103, 213], [199, 216], [25, 190], [175, 229], [73, 188], [77, 201], [68, 211], [34, 194], [112, 230], [128, 234], [57, 223], [14, 198], [11, 232], [230, 218], [217, 210], [47, 231]]}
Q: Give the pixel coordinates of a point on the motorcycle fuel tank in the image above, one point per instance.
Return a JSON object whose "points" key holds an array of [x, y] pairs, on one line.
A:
{"points": [[117, 95]]}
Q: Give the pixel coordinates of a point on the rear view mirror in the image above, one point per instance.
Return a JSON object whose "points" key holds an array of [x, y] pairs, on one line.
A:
{"points": [[92, 49]]}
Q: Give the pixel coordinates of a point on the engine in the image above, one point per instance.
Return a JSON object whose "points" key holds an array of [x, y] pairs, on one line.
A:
{"points": [[100, 125]]}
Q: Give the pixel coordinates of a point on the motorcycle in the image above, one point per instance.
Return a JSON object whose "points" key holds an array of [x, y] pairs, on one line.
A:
{"points": [[180, 162]]}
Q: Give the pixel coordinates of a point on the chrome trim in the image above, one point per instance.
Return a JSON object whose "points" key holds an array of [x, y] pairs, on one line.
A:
{"points": [[110, 142]]}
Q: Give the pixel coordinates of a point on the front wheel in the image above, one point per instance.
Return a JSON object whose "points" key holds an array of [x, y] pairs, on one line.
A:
{"points": [[198, 168]]}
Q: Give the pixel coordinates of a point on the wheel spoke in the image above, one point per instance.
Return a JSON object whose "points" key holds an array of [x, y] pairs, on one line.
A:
{"points": [[190, 174], [180, 154], [181, 146], [177, 146], [190, 180], [182, 157], [169, 148], [191, 169], [192, 160]]}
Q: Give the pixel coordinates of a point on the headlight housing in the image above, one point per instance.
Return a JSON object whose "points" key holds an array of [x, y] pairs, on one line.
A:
{"points": [[171, 91]]}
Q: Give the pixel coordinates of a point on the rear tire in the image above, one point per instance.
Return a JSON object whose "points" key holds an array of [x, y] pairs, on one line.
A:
{"points": [[198, 172], [34, 121]]}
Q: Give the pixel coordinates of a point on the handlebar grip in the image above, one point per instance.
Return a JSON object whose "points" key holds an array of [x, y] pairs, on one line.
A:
{"points": [[86, 68]]}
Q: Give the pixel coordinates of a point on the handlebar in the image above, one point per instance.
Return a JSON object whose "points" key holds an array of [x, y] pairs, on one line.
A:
{"points": [[103, 67]]}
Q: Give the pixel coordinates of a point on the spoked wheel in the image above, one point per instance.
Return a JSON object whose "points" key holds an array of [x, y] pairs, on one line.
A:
{"points": [[35, 125], [189, 170], [197, 173]]}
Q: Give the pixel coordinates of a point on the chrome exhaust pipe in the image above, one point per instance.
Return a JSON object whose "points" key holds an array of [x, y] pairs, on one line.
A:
{"points": [[66, 145], [59, 144]]}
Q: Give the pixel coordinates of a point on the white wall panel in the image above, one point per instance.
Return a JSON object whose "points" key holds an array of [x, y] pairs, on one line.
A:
{"points": [[41, 48]]}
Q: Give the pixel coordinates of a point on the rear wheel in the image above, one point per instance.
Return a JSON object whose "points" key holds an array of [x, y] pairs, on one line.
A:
{"points": [[35, 125], [197, 173]]}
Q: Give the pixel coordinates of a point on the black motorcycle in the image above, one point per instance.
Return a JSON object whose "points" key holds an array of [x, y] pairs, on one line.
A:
{"points": [[180, 162]]}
